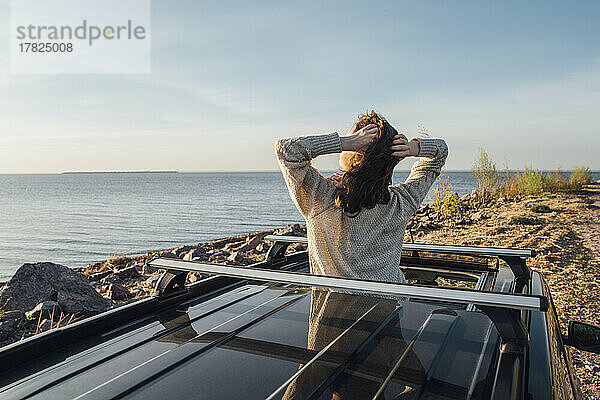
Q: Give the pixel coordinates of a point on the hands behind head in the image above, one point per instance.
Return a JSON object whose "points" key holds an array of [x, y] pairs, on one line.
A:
{"points": [[402, 148], [359, 140]]}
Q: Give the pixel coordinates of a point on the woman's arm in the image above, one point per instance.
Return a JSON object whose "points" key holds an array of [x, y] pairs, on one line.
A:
{"points": [[433, 153], [310, 191]]}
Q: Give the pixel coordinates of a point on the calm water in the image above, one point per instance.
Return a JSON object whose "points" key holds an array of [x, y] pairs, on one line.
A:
{"points": [[78, 219]]}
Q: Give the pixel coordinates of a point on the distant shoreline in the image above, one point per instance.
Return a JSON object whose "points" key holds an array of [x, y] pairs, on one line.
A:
{"points": [[118, 172]]}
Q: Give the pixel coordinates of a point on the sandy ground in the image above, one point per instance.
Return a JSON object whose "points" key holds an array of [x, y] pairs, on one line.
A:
{"points": [[567, 240]]}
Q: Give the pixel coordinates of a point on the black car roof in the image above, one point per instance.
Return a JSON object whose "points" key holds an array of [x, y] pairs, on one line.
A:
{"points": [[231, 338], [259, 341]]}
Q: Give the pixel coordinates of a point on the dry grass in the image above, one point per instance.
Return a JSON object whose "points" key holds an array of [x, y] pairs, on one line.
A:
{"points": [[62, 320]]}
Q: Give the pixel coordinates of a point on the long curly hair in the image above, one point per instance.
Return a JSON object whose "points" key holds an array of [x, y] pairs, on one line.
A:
{"points": [[365, 183]]}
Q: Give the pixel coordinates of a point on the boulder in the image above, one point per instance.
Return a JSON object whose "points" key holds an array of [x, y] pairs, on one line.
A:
{"points": [[39, 282], [128, 272], [116, 291]]}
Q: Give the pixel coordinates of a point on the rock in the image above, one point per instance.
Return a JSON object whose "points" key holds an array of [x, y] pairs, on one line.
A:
{"points": [[195, 254], [217, 254], [152, 280], [111, 279], [148, 269], [232, 246], [46, 308], [95, 266], [193, 277], [99, 275], [9, 323], [116, 291], [237, 257], [294, 247], [262, 248], [167, 254], [127, 272], [251, 243], [181, 250], [291, 230], [35, 283]]}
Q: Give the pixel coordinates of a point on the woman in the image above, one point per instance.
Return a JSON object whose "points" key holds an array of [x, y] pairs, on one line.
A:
{"points": [[355, 220]]}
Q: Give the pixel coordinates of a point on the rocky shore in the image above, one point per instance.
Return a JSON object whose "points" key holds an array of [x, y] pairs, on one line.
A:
{"points": [[564, 229]]}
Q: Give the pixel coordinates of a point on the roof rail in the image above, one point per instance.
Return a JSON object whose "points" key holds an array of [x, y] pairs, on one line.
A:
{"points": [[503, 309], [515, 258], [433, 248], [457, 295]]}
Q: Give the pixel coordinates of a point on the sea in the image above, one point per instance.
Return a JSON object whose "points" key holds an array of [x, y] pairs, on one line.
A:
{"points": [[77, 219]]}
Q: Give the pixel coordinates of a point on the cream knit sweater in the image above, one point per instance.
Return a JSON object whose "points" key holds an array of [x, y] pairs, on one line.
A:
{"points": [[369, 245]]}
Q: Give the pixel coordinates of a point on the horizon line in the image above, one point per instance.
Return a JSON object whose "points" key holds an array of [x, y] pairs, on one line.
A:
{"points": [[227, 171]]}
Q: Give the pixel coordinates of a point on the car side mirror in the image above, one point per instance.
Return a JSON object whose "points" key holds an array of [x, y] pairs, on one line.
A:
{"points": [[584, 337]]}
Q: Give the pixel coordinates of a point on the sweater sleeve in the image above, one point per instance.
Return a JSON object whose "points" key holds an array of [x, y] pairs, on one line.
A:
{"points": [[310, 191], [433, 153]]}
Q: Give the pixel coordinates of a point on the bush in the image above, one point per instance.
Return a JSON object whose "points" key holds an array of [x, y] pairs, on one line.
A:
{"points": [[485, 173], [580, 177], [531, 181], [444, 201], [540, 208], [555, 182]]}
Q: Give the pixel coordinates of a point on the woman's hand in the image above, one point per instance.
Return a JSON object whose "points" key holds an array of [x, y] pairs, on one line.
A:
{"points": [[360, 140], [402, 148]]}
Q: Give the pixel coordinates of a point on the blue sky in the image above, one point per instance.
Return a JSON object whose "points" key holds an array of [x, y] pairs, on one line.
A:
{"points": [[519, 79]]}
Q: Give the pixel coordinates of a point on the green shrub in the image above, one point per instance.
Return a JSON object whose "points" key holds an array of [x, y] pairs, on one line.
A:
{"points": [[540, 208], [531, 181], [444, 201], [555, 182], [580, 177], [485, 173]]}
